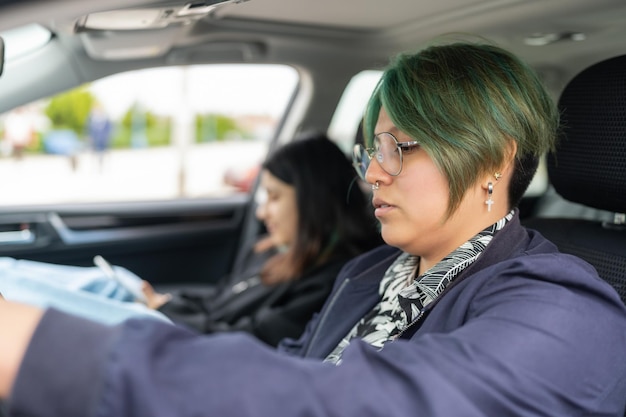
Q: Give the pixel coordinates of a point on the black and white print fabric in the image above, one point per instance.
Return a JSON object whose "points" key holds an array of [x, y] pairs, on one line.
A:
{"points": [[403, 297]]}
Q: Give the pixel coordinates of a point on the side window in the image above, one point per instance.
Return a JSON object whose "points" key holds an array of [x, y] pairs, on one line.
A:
{"points": [[345, 122], [167, 133]]}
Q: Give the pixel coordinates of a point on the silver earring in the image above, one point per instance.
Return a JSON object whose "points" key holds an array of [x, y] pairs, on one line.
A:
{"points": [[375, 186], [489, 201]]}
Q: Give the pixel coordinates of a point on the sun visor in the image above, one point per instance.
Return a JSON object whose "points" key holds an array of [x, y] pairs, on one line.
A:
{"points": [[149, 18], [125, 45]]}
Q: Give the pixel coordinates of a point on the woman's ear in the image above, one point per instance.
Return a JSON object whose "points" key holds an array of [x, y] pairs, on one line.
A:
{"points": [[505, 170], [510, 154]]}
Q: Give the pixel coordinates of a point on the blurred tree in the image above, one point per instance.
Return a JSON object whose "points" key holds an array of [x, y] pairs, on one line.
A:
{"points": [[216, 127], [155, 128], [70, 110]]}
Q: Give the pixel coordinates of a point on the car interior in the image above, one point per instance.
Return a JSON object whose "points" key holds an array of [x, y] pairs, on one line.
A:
{"points": [[194, 240], [328, 44], [578, 47]]}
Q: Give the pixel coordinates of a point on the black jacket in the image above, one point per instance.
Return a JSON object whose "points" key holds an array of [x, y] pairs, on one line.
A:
{"points": [[243, 303]]}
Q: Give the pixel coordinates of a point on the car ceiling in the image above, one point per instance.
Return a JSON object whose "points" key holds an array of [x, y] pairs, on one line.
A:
{"points": [[337, 38]]}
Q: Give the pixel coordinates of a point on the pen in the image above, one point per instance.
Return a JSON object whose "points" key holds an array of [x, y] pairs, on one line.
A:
{"points": [[108, 270]]}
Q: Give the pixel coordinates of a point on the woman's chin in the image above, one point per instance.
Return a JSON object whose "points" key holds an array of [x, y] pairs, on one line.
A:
{"points": [[389, 236]]}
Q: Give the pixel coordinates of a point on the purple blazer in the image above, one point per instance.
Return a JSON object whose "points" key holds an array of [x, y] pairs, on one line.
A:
{"points": [[524, 331]]}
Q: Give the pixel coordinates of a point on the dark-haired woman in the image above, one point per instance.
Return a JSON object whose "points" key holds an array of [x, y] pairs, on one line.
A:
{"points": [[316, 218]]}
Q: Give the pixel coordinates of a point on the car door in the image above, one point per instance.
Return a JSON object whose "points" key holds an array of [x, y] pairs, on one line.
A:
{"points": [[184, 242], [169, 197]]}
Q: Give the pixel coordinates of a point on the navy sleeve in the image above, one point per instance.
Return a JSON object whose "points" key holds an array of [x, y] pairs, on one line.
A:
{"points": [[64, 361], [526, 350]]}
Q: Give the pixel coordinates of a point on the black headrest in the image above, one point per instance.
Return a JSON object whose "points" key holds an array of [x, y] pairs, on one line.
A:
{"points": [[589, 166]]}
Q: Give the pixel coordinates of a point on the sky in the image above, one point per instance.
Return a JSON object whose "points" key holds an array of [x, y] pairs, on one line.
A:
{"points": [[223, 88]]}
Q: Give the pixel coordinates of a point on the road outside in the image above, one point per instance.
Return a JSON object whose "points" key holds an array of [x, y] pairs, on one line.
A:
{"points": [[126, 175]]}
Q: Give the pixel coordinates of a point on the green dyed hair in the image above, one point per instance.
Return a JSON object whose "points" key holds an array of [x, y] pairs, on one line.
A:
{"points": [[464, 102]]}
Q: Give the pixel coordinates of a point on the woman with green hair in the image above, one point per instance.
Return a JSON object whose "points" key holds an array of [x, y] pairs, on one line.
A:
{"points": [[464, 313]]}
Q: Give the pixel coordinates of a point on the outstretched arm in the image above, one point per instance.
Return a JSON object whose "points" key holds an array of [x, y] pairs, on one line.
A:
{"points": [[17, 324]]}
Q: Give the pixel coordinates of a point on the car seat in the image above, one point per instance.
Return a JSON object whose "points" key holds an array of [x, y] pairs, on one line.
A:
{"points": [[589, 168]]}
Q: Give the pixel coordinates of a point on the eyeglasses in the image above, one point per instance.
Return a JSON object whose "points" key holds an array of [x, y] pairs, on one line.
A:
{"points": [[388, 153]]}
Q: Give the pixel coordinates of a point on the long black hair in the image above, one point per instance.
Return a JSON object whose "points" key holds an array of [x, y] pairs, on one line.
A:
{"points": [[335, 218]]}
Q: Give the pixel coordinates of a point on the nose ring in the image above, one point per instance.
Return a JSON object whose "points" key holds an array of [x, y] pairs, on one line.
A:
{"points": [[375, 186]]}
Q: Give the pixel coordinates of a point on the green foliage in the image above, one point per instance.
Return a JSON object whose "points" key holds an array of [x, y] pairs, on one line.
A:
{"points": [[70, 110], [216, 127], [140, 128]]}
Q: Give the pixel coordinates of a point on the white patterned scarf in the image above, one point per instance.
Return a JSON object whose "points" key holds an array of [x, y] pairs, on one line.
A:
{"points": [[403, 297]]}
